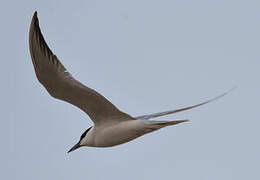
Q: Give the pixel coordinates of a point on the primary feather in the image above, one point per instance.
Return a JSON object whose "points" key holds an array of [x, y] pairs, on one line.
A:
{"points": [[61, 85]]}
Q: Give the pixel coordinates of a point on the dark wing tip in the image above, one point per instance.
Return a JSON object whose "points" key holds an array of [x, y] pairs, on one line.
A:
{"points": [[34, 28], [35, 21]]}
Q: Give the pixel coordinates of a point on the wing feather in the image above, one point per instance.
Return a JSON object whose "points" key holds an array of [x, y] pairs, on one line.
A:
{"points": [[61, 85], [154, 115]]}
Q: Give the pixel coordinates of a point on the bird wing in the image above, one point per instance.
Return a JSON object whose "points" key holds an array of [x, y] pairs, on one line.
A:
{"points": [[61, 85], [154, 115]]}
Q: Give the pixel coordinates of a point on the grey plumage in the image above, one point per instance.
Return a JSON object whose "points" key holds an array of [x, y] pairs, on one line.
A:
{"points": [[111, 126]]}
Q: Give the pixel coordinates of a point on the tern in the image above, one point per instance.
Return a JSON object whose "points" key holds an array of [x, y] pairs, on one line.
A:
{"points": [[111, 126]]}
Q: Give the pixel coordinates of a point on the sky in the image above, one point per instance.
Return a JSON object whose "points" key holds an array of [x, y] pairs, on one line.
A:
{"points": [[145, 57]]}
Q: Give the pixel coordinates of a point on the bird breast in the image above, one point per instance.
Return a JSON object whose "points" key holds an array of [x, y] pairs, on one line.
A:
{"points": [[115, 134]]}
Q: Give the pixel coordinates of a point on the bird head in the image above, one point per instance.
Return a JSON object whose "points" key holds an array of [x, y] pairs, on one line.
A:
{"points": [[79, 143]]}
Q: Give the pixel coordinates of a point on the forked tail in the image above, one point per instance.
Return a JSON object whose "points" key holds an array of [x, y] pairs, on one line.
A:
{"points": [[168, 123], [155, 125]]}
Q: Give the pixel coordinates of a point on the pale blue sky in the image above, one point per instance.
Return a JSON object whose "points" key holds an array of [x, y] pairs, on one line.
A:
{"points": [[144, 56]]}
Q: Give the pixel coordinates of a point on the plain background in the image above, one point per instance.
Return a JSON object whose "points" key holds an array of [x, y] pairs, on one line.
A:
{"points": [[145, 57]]}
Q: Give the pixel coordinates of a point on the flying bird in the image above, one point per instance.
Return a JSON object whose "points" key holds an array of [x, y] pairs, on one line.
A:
{"points": [[111, 126]]}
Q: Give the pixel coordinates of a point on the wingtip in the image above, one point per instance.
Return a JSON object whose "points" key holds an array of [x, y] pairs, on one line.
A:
{"points": [[227, 92], [35, 21], [233, 88], [185, 120], [35, 15]]}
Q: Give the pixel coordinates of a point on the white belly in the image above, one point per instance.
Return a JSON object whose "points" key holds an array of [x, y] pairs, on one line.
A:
{"points": [[111, 135]]}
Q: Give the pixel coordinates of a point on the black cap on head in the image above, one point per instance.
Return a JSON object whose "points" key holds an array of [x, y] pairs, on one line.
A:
{"points": [[84, 134], [76, 146]]}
